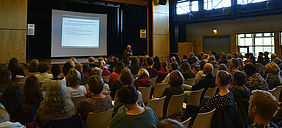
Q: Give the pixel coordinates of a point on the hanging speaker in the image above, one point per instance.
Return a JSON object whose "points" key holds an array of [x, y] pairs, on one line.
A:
{"points": [[161, 2]]}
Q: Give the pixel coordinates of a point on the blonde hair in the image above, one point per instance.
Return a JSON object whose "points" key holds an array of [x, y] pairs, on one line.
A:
{"points": [[272, 68], [34, 61], [143, 72], [73, 77], [95, 71], [57, 99], [71, 62], [91, 59]]}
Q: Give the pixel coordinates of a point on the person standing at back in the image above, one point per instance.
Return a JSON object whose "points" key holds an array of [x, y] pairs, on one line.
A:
{"points": [[128, 51]]}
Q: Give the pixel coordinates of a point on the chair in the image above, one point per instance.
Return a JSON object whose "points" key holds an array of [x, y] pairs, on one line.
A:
{"points": [[72, 122], [99, 120], [210, 92], [76, 100], [159, 89], [175, 104], [195, 97], [186, 122], [106, 78], [191, 81], [276, 92], [157, 106], [154, 81], [146, 93], [203, 120]]}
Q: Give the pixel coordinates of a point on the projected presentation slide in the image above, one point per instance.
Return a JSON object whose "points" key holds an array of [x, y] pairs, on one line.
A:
{"points": [[77, 32]]}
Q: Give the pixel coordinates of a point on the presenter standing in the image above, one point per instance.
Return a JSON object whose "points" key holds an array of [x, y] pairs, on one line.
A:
{"points": [[128, 51]]}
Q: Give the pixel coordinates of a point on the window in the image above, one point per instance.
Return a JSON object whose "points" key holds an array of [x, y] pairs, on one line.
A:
{"points": [[249, 1], [215, 4], [258, 42], [185, 7]]}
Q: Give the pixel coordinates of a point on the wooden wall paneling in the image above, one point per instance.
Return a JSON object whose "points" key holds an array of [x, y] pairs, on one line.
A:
{"points": [[161, 45], [13, 44], [184, 48], [13, 14]]}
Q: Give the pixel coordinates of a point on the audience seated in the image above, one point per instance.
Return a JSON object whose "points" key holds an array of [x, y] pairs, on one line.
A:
{"points": [[273, 78], [13, 101], [152, 71], [5, 79], [157, 63], [266, 58], [57, 104], [5, 120], [73, 78], [16, 70], [115, 75], [141, 62], [163, 72], [174, 67], [91, 62], [32, 93], [234, 64], [260, 58], [222, 67], [175, 83], [187, 71], [200, 74], [43, 68], [170, 123], [143, 79], [255, 81], [86, 69], [98, 72], [97, 102], [262, 107], [33, 68], [136, 116], [84, 78], [66, 68], [134, 66]]}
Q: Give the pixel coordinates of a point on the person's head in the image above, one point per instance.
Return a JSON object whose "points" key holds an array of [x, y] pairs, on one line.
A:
{"points": [[134, 61], [67, 67], [234, 63], [127, 95], [4, 115], [78, 67], [273, 55], [32, 92], [250, 69], [170, 123], [126, 77], [86, 68], [96, 84], [71, 62], [277, 60], [194, 59], [202, 64], [239, 78], [173, 59], [222, 67], [95, 71], [156, 59], [175, 78], [74, 60], [260, 54], [13, 64], [272, 68], [118, 67], [174, 65], [262, 105], [57, 99], [149, 61], [43, 67], [266, 53], [13, 100], [223, 79], [125, 60], [128, 47], [185, 66], [91, 59], [56, 70], [5, 75], [73, 77], [164, 65], [211, 58], [235, 55], [143, 72], [141, 60], [241, 64], [34, 63], [208, 68]]}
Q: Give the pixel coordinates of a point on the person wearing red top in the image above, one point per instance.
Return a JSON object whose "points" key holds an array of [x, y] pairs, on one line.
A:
{"points": [[117, 69], [143, 79], [106, 72], [163, 72]]}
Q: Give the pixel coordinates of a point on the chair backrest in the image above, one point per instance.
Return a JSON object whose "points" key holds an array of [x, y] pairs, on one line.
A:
{"points": [[175, 105], [186, 122], [154, 81], [99, 120], [106, 78], [195, 98], [191, 81], [157, 106], [146, 93], [276, 92], [76, 100], [72, 122], [159, 89], [203, 120], [211, 92]]}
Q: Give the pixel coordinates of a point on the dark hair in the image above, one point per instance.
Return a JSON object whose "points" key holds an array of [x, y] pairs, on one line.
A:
{"points": [[164, 65], [235, 62], [156, 59], [85, 68], [126, 77], [170, 123], [224, 77], [96, 84], [176, 79], [222, 67], [67, 67], [141, 60], [32, 92], [149, 61], [202, 64], [55, 69], [250, 69], [125, 60], [13, 100], [5, 75], [239, 78], [13, 64], [134, 66], [174, 65], [119, 66], [43, 67], [127, 95]]}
